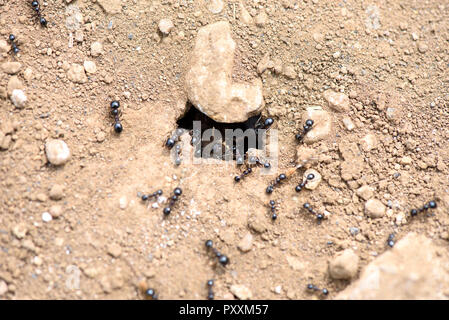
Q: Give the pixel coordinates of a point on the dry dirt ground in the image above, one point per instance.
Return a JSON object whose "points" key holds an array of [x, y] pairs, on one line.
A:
{"points": [[390, 57]]}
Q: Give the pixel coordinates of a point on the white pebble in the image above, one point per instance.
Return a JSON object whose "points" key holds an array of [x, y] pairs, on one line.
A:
{"points": [[46, 217], [18, 98], [165, 26], [57, 152]]}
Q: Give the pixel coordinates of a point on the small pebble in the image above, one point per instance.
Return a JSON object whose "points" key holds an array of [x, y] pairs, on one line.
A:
{"points": [[241, 292], [57, 151], [20, 230], [90, 66], [165, 26], [261, 19], [19, 98], [11, 67], [3, 288], [246, 243], [57, 192], [344, 265], [374, 208], [46, 217], [96, 49], [55, 211]]}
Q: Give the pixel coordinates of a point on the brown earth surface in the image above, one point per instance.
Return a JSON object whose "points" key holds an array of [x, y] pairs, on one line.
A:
{"points": [[391, 58]]}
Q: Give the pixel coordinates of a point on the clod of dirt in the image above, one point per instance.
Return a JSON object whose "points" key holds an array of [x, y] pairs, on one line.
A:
{"points": [[344, 265], [209, 80], [413, 269]]}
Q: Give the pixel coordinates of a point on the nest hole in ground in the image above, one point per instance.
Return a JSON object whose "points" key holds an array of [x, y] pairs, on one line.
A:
{"points": [[225, 141]]}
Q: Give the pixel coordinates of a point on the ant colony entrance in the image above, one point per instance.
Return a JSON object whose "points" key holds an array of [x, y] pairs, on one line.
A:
{"points": [[224, 141]]}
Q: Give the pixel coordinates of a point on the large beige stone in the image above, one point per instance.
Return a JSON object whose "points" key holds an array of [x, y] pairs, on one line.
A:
{"points": [[209, 78], [415, 268]]}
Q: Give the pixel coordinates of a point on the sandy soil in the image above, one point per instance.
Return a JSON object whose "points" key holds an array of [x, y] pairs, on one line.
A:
{"points": [[390, 57]]}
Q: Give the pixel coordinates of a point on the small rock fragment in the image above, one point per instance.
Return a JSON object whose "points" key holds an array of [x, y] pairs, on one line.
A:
{"points": [[4, 46], [114, 250], [55, 211], [241, 292], [337, 101], [245, 16], [365, 192], [312, 184], [123, 202], [344, 265], [289, 71], [374, 208], [96, 49], [422, 47], [406, 160], [261, 19], [368, 142], [111, 6], [246, 243], [46, 217], [165, 26], [20, 230], [11, 67], [90, 66], [14, 83], [3, 288], [349, 125], [322, 125], [76, 74], [215, 6], [57, 152], [57, 192], [19, 98]]}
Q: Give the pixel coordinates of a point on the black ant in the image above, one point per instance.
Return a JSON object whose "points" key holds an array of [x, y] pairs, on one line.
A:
{"points": [[274, 183], [244, 174], [307, 127], [176, 193], [273, 210], [390, 240], [37, 8], [148, 293], [266, 124], [252, 161], [210, 293], [319, 216], [312, 287], [115, 113], [170, 143], [430, 205], [155, 194], [280, 178], [222, 259], [300, 186], [14, 45]]}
